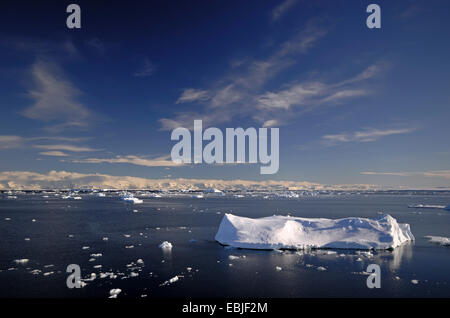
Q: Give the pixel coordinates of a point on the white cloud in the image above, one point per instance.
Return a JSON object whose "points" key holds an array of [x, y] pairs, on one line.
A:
{"points": [[234, 94], [282, 8], [53, 153], [11, 141], [55, 98], [65, 147], [134, 160], [433, 173], [147, 69], [367, 135], [193, 95]]}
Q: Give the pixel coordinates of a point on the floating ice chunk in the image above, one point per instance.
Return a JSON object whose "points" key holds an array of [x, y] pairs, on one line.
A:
{"points": [[27, 239], [173, 279], [140, 261], [414, 281], [35, 271], [188, 269], [444, 241], [134, 274], [98, 266], [129, 198], [166, 245], [48, 273], [278, 268], [127, 235], [22, 261], [114, 292], [7, 219], [97, 255], [85, 247], [105, 239], [232, 257], [282, 232], [321, 268], [129, 246], [426, 206]]}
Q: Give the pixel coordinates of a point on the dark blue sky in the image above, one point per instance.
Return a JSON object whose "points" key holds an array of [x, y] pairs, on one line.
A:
{"points": [[354, 105]]}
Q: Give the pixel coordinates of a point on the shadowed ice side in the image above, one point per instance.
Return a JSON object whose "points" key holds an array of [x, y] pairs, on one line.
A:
{"points": [[285, 232]]}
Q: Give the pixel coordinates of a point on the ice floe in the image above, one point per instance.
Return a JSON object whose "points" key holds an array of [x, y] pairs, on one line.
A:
{"points": [[22, 261], [444, 241], [285, 232], [426, 206], [114, 292], [129, 198], [166, 245]]}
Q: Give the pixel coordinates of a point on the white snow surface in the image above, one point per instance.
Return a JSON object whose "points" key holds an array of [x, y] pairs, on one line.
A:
{"points": [[286, 232]]}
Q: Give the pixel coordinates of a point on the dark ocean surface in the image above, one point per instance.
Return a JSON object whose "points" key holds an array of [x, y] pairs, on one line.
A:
{"points": [[204, 268]]}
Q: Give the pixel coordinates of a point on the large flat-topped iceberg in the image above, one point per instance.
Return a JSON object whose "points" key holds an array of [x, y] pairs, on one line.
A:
{"points": [[285, 232]]}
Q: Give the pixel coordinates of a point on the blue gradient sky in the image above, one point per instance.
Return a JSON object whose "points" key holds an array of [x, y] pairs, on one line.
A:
{"points": [[353, 105]]}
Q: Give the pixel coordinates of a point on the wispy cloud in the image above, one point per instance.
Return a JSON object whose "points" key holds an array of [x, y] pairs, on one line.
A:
{"points": [[367, 135], [226, 97], [164, 161], [192, 95], [14, 141], [282, 8], [147, 69], [11, 141], [433, 173], [53, 153], [66, 147], [97, 45], [55, 98]]}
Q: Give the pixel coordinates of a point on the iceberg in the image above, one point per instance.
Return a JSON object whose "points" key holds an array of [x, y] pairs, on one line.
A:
{"points": [[444, 241], [285, 232], [129, 198]]}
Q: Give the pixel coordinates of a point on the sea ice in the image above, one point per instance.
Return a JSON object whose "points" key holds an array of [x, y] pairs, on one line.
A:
{"points": [[173, 280], [114, 292], [166, 245], [444, 241], [22, 261], [285, 232]]}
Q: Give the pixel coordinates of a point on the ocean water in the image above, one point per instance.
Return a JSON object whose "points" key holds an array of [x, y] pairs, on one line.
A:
{"points": [[63, 227]]}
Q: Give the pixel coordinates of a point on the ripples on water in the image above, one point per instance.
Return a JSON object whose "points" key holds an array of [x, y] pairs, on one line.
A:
{"points": [[52, 233]]}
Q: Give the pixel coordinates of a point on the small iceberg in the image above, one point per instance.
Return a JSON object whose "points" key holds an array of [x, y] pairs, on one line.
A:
{"points": [[440, 240], [166, 245], [285, 232], [113, 293], [428, 206], [129, 198]]}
